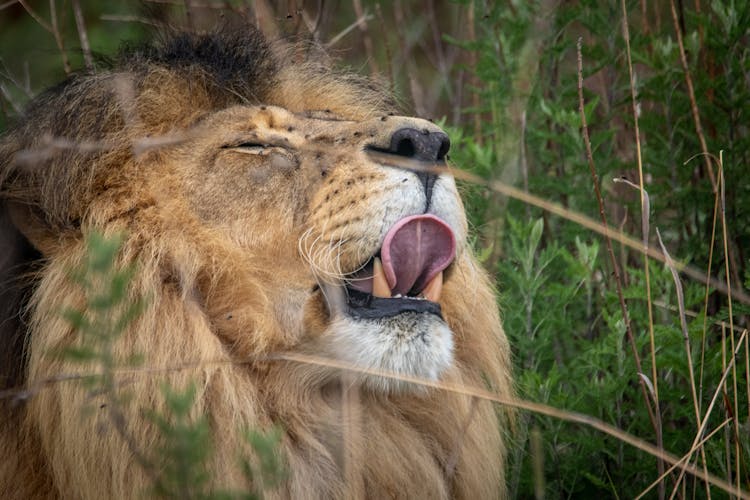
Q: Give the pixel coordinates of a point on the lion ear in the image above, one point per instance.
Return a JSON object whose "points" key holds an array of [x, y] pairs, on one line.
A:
{"points": [[32, 226]]}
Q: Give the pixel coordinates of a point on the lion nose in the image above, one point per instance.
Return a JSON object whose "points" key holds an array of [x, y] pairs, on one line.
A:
{"points": [[423, 145]]}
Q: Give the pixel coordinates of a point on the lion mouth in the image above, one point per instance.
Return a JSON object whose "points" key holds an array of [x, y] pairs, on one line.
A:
{"points": [[406, 274]]}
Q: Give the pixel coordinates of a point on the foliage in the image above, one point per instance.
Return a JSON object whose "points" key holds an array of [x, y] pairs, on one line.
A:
{"points": [[106, 313], [182, 454], [558, 289]]}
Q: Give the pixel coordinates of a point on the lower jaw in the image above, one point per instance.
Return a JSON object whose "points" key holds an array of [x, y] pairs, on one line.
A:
{"points": [[362, 305], [392, 354]]}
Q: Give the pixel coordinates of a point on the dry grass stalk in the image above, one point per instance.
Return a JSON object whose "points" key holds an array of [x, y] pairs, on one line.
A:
{"points": [[684, 459], [51, 28], [686, 339], [560, 211], [82, 35], [366, 38], [720, 389], [691, 95], [707, 293], [542, 410], [645, 207], [725, 238], [358, 23], [653, 415], [351, 415], [479, 393]]}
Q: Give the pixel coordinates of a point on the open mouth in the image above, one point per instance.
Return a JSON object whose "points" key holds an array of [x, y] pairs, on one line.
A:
{"points": [[406, 274]]}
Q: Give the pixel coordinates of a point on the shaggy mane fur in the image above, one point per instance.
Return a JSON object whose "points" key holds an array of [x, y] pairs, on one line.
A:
{"points": [[78, 161]]}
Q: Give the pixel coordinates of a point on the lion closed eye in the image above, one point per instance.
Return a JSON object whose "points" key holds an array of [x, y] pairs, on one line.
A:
{"points": [[268, 216]]}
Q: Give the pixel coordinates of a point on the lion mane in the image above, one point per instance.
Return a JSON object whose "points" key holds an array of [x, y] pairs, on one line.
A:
{"points": [[246, 182]]}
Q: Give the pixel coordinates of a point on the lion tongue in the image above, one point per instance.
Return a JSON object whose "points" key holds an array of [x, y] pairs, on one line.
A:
{"points": [[415, 250]]}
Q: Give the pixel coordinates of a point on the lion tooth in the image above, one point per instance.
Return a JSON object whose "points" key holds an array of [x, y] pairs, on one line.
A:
{"points": [[380, 286], [433, 289]]}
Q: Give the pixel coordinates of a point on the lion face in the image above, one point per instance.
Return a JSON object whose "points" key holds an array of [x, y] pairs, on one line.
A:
{"points": [[367, 246]]}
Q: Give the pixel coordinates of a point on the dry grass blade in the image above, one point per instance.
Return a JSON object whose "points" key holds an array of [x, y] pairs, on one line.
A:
{"points": [[450, 466], [133, 19], [725, 238], [538, 408], [653, 411], [478, 393], [41, 22], [645, 211], [352, 425], [8, 4], [707, 293], [684, 459], [49, 146], [686, 339], [51, 28], [693, 314], [719, 388], [683, 321], [560, 211]]}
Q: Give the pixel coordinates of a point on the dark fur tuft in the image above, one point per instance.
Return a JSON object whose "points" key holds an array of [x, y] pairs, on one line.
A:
{"points": [[239, 61]]}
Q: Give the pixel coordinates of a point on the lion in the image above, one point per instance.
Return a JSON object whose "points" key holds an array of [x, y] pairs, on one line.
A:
{"points": [[262, 218]]}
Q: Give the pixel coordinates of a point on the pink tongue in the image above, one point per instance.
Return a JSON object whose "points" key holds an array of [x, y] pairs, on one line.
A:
{"points": [[415, 250]]}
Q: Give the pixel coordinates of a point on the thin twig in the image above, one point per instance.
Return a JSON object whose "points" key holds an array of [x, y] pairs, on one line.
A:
{"points": [[358, 23], [693, 314], [82, 35], [35, 16], [25, 85], [474, 79], [366, 38], [59, 40], [691, 95], [8, 97], [388, 51]]}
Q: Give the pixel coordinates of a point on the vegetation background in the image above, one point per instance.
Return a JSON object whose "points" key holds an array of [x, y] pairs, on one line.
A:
{"points": [[630, 113]]}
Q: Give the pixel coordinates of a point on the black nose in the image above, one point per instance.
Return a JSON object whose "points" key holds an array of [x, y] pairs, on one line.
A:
{"points": [[422, 145]]}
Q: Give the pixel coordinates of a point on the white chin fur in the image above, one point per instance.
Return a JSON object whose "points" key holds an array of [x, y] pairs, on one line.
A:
{"points": [[418, 345]]}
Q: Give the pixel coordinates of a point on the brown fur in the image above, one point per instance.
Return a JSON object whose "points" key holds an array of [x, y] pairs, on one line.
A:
{"points": [[214, 232]]}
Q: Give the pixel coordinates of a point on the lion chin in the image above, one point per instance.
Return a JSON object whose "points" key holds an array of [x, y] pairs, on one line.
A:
{"points": [[303, 251]]}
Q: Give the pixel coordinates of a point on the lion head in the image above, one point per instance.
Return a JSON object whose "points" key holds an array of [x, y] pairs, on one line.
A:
{"points": [[263, 203]]}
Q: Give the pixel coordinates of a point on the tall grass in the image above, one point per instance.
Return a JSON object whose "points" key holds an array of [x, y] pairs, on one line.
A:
{"points": [[574, 125]]}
